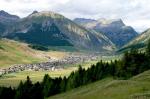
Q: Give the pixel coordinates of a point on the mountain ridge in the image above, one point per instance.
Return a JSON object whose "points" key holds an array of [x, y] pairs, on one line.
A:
{"points": [[77, 35], [6, 15], [114, 29]]}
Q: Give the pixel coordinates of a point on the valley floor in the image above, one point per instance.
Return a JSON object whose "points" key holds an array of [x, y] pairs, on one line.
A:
{"points": [[137, 87], [13, 79]]}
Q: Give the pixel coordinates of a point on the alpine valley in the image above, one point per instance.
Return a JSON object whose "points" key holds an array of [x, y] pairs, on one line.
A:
{"points": [[46, 55]]}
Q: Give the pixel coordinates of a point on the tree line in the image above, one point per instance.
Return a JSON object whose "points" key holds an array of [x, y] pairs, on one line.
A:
{"points": [[132, 63]]}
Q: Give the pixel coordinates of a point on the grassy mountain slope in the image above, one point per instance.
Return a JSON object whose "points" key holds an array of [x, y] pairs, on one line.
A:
{"points": [[138, 86], [139, 42], [13, 52]]}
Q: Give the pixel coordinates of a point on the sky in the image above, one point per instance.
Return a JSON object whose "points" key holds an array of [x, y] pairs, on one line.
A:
{"points": [[135, 13]]}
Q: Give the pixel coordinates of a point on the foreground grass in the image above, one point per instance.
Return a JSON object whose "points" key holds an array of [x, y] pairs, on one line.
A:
{"points": [[14, 79], [137, 87]]}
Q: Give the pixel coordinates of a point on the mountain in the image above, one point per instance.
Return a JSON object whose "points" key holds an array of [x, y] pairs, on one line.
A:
{"points": [[139, 42], [6, 20], [34, 12], [114, 29], [52, 29], [6, 17], [2, 28]]}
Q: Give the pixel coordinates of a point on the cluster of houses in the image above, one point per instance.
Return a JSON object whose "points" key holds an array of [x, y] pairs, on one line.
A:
{"points": [[49, 66]]}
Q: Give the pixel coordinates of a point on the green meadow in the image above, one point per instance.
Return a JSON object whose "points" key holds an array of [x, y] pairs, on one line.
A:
{"points": [[137, 87]]}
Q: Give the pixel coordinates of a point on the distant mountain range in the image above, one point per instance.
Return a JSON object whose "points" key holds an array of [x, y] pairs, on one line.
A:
{"points": [[52, 29], [114, 29]]}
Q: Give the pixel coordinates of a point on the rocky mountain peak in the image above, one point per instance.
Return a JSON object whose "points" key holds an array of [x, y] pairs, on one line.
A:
{"points": [[34, 12], [2, 12], [117, 22], [5, 15], [45, 14]]}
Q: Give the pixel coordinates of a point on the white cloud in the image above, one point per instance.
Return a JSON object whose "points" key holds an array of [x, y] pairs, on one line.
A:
{"points": [[24, 7], [133, 12]]}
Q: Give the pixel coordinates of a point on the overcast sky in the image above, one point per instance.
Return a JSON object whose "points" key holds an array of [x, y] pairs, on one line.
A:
{"points": [[133, 12]]}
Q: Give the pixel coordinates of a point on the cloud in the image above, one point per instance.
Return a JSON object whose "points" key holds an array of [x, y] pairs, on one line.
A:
{"points": [[25, 7], [133, 12]]}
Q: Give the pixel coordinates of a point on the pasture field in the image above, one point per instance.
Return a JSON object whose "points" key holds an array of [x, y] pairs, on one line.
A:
{"points": [[13, 52], [137, 87], [14, 79]]}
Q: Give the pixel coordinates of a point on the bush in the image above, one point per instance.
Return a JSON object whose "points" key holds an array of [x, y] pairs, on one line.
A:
{"points": [[39, 47]]}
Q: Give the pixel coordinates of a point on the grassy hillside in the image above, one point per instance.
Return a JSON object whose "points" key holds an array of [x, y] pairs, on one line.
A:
{"points": [[137, 43], [12, 52], [137, 87]]}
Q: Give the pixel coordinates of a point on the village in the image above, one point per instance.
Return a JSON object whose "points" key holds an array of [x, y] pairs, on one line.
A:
{"points": [[51, 65]]}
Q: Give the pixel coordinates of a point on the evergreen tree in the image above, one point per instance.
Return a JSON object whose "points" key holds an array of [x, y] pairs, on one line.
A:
{"points": [[70, 81], [7, 93], [36, 91], [63, 84], [19, 91], [47, 84]]}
